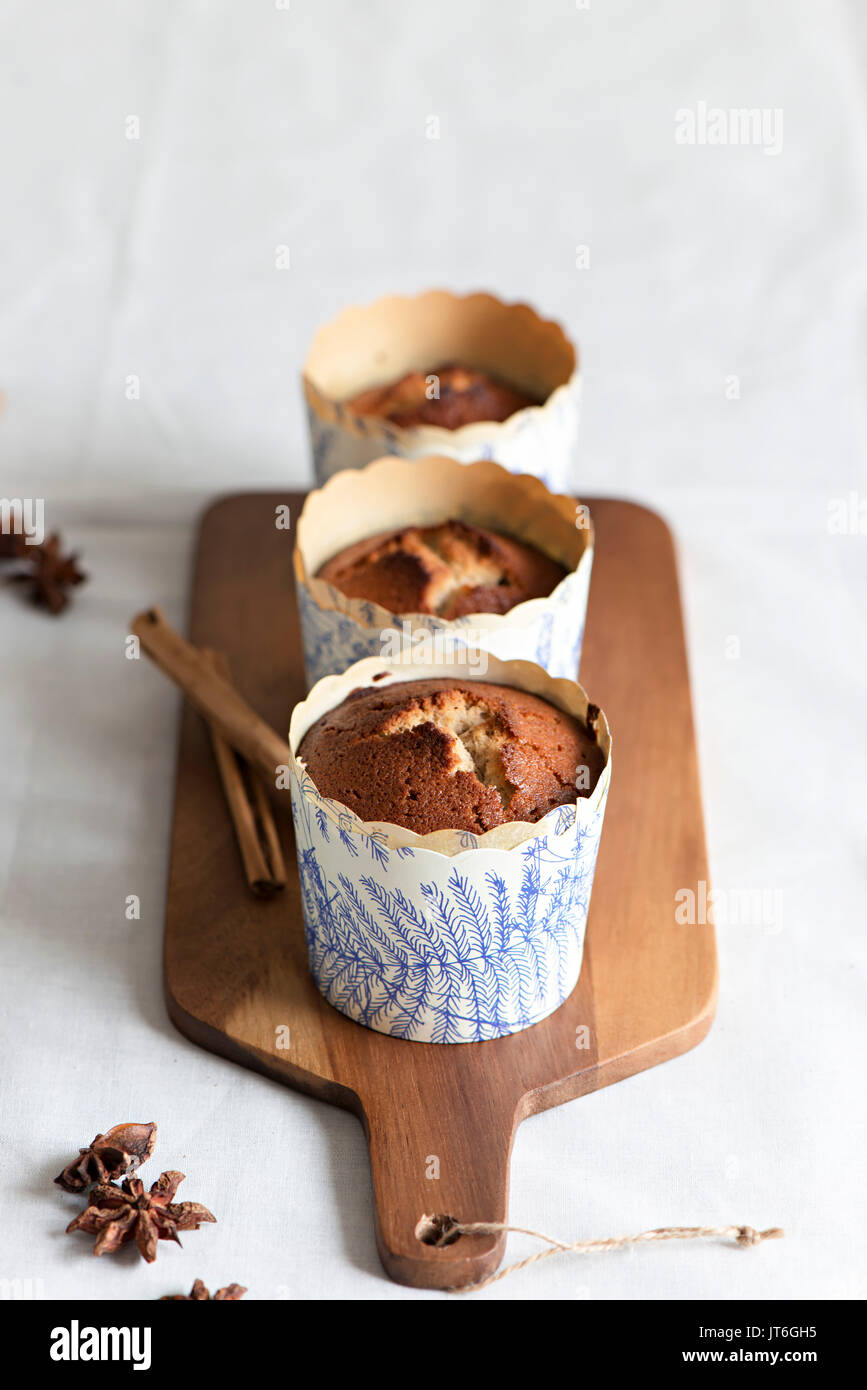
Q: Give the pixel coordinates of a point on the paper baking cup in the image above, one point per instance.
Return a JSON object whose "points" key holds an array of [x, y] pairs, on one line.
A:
{"points": [[392, 493], [450, 937], [375, 344]]}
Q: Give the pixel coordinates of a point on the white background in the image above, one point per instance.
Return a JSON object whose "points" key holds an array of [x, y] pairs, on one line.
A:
{"points": [[262, 127]]}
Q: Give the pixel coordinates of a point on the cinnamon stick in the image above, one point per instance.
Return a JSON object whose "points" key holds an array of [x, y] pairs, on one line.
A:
{"points": [[212, 695], [250, 809], [268, 833]]}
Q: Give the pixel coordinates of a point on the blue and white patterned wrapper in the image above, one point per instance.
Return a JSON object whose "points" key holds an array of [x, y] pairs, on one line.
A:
{"points": [[380, 342], [391, 493], [451, 937]]}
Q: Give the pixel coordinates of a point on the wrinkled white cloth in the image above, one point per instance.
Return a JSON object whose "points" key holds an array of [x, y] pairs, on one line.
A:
{"points": [[149, 356]]}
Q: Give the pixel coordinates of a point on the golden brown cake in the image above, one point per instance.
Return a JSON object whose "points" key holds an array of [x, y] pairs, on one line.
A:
{"points": [[451, 570], [466, 395], [450, 755]]}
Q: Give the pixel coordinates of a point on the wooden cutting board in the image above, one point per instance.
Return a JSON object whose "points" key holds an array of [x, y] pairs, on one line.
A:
{"points": [[236, 971]]}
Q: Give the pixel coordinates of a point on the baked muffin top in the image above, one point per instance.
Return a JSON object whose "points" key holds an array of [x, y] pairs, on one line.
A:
{"points": [[466, 395], [451, 570], [447, 754]]}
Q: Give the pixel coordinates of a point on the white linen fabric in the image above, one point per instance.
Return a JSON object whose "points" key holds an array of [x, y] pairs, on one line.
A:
{"points": [[160, 159]]}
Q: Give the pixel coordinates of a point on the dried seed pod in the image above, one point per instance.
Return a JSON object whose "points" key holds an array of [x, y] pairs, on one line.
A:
{"points": [[117, 1215], [199, 1294], [123, 1149]]}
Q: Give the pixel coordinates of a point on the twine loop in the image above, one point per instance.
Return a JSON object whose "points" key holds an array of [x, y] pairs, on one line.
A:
{"points": [[447, 1230]]}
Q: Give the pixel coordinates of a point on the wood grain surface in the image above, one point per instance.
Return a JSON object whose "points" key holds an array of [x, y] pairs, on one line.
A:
{"points": [[236, 972]]}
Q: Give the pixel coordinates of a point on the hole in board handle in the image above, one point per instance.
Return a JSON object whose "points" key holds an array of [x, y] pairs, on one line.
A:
{"points": [[438, 1230]]}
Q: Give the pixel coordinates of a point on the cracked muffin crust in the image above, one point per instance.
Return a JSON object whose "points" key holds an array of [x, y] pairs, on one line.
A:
{"points": [[451, 570], [446, 754], [466, 396]]}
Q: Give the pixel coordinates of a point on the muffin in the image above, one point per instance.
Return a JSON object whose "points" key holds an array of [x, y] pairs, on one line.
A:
{"points": [[450, 755], [508, 386], [453, 569], [436, 552], [463, 396], [454, 934]]}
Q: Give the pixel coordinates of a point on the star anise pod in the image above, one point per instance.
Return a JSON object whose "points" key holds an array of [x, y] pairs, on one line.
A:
{"points": [[117, 1215], [199, 1294], [51, 575], [123, 1149]]}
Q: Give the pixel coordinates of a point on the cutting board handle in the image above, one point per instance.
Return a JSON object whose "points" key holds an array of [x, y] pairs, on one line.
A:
{"points": [[437, 1160]]}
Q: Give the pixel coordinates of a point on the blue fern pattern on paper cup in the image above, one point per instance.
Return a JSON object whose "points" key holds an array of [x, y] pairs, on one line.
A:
{"points": [[443, 949], [333, 639], [541, 441]]}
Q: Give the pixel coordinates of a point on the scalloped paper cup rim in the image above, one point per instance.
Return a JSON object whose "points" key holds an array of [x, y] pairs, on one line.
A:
{"points": [[566, 694], [392, 492], [373, 344]]}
